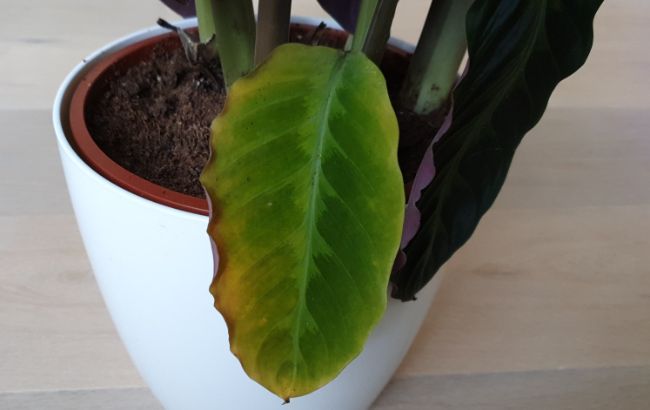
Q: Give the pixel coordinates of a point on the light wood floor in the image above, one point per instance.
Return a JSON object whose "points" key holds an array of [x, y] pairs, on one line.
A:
{"points": [[547, 307]]}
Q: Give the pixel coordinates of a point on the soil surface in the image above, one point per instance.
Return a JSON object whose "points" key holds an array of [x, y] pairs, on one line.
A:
{"points": [[153, 119]]}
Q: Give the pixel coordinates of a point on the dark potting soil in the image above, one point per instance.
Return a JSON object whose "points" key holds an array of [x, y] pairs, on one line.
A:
{"points": [[154, 120]]}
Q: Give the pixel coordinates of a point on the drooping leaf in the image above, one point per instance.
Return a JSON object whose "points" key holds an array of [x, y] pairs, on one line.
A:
{"points": [[345, 12], [307, 207], [519, 50], [185, 8]]}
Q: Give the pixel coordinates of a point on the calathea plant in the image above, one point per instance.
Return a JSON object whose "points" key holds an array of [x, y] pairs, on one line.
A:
{"points": [[308, 211]]}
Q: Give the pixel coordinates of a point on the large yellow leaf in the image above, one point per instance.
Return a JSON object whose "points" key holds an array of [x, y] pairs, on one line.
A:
{"points": [[307, 209]]}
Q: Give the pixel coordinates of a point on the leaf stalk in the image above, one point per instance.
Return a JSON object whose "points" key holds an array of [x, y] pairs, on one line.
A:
{"points": [[232, 24], [364, 22], [273, 20], [434, 66], [379, 31]]}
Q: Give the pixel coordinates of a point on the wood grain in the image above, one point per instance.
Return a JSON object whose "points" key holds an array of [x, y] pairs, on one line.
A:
{"points": [[570, 389], [601, 389], [548, 305]]}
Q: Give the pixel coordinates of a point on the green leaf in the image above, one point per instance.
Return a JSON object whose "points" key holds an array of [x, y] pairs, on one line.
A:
{"points": [[307, 208], [519, 51]]}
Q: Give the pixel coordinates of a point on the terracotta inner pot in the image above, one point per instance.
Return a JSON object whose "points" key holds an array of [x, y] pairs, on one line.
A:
{"points": [[93, 84]]}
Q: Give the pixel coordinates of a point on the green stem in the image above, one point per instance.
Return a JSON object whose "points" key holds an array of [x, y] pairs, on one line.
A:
{"points": [[273, 19], [440, 50], [379, 32], [364, 21], [232, 23]]}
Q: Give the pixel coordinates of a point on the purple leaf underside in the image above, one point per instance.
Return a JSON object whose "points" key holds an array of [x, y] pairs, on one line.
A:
{"points": [[343, 11], [424, 176], [185, 8]]}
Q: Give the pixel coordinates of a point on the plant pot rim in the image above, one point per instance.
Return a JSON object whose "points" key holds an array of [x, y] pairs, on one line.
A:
{"points": [[72, 130], [93, 155]]}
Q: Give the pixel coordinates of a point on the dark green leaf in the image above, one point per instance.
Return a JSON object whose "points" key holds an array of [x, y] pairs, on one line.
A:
{"points": [[519, 50]]}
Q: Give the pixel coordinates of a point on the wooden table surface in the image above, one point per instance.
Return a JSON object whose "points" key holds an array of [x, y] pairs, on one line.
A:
{"points": [[547, 307]]}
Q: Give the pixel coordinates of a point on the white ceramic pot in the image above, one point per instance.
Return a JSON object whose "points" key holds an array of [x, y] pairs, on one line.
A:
{"points": [[154, 265]]}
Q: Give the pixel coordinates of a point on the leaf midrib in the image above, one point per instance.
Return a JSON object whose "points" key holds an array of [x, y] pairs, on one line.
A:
{"points": [[310, 215]]}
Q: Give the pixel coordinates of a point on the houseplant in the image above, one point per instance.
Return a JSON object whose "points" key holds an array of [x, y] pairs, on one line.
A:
{"points": [[350, 181]]}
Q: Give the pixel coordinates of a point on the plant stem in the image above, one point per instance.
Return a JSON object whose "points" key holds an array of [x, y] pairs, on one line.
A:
{"points": [[379, 32], [232, 23], [273, 19], [364, 21], [440, 50]]}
